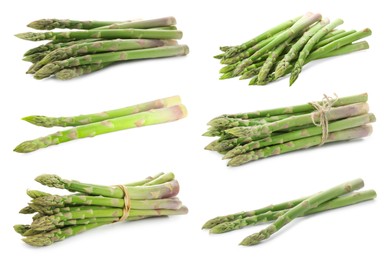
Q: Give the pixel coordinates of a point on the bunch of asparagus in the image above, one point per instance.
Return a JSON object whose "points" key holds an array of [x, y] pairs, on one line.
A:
{"points": [[153, 112], [99, 44], [246, 137], [59, 217], [286, 48], [283, 213]]}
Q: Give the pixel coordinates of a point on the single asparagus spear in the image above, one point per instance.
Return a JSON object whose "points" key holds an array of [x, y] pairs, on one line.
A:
{"points": [[36, 57], [160, 191], [103, 34], [227, 122], [50, 24], [343, 201], [98, 47], [73, 72], [76, 200], [47, 226], [300, 120], [237, 49], [295, 135], [159, 52], [141, 24], [309, 46], [48, 238], [293, 53], [305, 108], [348, 134], [98, 117], [52, 46], [333, 38], [294, 30], [302, 208]]}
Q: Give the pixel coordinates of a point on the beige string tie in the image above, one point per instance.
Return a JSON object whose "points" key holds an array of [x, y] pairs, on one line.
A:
{"points": [[127, 203], [322, 112]]}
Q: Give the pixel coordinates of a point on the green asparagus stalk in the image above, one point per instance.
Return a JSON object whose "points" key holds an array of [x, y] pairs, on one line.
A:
{"points": [[293, 53], [159, 191], [152, 117], [348, 134], [141, 24], [302, 208], [300, 120], [36, 57], [48, 238], [99, 47], [50, 24], [52, 46], [73, 72], [159, 52], [304, 108], [333, 38], [294, 30], [309, 46], [295, 135], [48, 226], [228, 122], [105, 115], [343, 201], [77, 200], [283, 26], [102, 34]]}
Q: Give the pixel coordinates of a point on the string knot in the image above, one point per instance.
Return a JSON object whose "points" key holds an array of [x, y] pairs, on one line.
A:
{"points": [[322, 109]]}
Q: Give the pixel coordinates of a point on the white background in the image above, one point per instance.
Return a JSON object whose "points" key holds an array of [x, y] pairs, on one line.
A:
{"points": [[208, 187]]}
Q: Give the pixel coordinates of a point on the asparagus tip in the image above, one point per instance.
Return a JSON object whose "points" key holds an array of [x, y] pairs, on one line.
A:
{"points": [[51, 180], [26, 147]]}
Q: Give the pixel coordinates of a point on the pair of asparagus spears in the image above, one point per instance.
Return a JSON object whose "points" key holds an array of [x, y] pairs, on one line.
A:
{"points": [[283, 213], [59, 217], [246, 137], [153, 112], [98, 45], [286, 48]]}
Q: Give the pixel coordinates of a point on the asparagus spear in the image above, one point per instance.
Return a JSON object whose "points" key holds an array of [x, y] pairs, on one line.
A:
{"points": [[348, 134], [50, 24], [299, 120], [343, 201], [151, 117], [159, 191], [304, 108], [103, 34], [302, 208], [73, 72], [48, 238], [36, 57], [98, 117], [98, 47], [293, 53], [159, 52], [237, 49], [333, 38], [299, 26], [295, 135], [309, 46], [52, 46], [141, 24], [73, 200]]}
